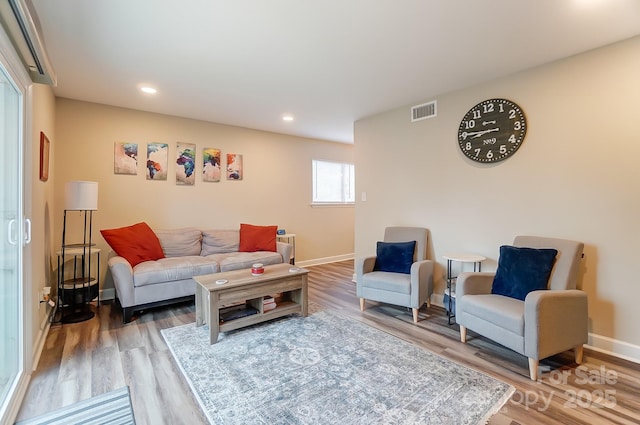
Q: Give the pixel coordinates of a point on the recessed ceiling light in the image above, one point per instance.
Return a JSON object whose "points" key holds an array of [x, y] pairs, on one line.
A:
{"points": [[148, 90], [287, 118]]}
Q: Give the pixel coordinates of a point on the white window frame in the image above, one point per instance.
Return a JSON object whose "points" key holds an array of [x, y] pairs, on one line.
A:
{"points": [[347, 189]]}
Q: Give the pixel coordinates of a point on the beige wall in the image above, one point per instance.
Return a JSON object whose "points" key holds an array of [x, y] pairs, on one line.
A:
{"points": [[276, 189], [38, 205], [576, 176]]}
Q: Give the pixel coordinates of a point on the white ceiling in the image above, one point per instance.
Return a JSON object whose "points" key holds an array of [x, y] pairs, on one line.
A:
{"points": [[327, 62]]}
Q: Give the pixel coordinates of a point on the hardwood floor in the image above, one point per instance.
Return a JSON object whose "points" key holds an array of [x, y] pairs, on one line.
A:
{"points": [[90, 358]]}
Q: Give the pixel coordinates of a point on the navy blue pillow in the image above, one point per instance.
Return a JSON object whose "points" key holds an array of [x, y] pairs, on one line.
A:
{"points": [[394, 257], [522, 270]]}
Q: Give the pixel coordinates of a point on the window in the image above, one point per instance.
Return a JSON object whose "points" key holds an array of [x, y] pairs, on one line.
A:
{"points": [[333, 182]]}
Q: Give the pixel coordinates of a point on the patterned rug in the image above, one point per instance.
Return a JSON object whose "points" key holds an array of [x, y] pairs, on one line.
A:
{"points": [[328, 369]]}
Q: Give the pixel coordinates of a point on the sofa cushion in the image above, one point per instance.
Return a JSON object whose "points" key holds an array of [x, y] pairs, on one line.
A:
{"points": [[244, 260], [504, 312], [136, 243], [388, 281], [257, 238], [220, 241], [180, 242], [522, 270], [170, 269], [395, 257]]}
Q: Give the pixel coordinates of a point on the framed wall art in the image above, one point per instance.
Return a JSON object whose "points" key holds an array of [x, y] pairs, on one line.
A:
{"points": [[211, 165], [186, 163], [44, 157], [125, 158], [157, 161], [234, 166]]}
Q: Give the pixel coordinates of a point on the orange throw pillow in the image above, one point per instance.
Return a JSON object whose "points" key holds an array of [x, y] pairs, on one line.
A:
{"points": [[135, 243], [257, 238]]}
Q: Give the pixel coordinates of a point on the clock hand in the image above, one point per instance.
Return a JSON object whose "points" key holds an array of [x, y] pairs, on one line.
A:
{"points": [[481, 133], [475, 134], [488, 122]]}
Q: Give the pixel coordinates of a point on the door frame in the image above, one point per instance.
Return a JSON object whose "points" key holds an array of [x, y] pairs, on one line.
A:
{"points": [[14, 67]]}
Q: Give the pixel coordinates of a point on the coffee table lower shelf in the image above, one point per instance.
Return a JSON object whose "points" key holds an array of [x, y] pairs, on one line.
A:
{"points": [[285, 309], [242, 287]]}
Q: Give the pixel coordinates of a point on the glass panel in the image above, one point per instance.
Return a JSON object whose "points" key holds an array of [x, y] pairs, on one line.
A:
{"points": [[10, 241]]}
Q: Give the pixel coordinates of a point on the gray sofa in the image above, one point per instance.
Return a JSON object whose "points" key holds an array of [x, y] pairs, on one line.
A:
{"points": [[188, 252]]}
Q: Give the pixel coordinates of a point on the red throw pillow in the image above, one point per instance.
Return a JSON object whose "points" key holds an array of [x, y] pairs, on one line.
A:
{"points": [[135, 243], [257, 238]]}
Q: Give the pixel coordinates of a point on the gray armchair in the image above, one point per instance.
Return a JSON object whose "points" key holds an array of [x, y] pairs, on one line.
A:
{"points": [[410, 290], [547, 322]]}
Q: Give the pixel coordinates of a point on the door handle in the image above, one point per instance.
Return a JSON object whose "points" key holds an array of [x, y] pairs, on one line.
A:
{"points": [[11, 231], [27, 231]]}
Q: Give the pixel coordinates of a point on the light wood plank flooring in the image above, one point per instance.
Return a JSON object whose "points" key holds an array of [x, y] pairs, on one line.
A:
{"points": [[86, 359]]}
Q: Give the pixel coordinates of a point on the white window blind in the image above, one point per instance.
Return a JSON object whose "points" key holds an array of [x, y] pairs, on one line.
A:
{"points": [[333, 182]]}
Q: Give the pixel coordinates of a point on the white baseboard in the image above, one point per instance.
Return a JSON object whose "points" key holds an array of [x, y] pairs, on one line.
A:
{"points": [[325, 260], [614, 347], [437, 299], [603, 344], [42, 337], [108, 294]]}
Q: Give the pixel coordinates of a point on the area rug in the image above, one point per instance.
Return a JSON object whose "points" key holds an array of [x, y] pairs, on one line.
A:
{"points": [[328, 369], [112, 408]]}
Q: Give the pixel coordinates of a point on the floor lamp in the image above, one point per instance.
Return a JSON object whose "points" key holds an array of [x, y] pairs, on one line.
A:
{"points": [[74, 294]]}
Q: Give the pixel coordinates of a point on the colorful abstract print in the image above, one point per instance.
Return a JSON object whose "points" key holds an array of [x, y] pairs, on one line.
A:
{"points": [[157, 161]]}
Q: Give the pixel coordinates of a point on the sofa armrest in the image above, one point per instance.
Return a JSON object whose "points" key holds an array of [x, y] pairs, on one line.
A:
{"points": [[122, 274], [421, 281], [364, 265], [555, 321], [474, 283], [285, 250]]}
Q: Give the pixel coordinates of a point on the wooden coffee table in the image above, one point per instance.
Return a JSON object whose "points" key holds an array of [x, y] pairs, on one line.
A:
{"points": [[241, 286]]}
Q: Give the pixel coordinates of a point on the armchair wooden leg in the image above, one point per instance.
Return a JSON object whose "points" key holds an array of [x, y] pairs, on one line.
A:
{"points": [[361, 304], [463, 334], [533, 369], [415, 315], [579, 352]]}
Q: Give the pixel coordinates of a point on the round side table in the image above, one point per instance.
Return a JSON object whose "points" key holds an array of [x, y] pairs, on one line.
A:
{"points": [[450, 292]]}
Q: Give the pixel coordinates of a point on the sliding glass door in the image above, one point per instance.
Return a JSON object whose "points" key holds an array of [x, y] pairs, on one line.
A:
{"points": [[11, 239]]}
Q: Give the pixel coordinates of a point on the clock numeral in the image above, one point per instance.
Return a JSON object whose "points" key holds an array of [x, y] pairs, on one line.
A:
{"points": [[501, 107], [512, 114], [477, 151], [469, 124], [468, 146], [476, 115], [512, 138], [488, 108], [489, 154], [517, 125], [503, 149]]}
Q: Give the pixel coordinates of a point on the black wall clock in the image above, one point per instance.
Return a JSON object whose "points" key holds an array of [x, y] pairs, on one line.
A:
{"points": [[492, 130]]}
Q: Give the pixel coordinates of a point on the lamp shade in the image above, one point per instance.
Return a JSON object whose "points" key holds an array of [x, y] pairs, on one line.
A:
{"points": [[81, 196]]}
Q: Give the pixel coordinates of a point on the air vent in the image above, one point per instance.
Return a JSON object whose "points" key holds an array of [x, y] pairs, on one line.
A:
{"points": [[424, 111]]}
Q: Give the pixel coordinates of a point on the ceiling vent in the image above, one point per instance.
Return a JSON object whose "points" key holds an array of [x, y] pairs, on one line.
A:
{"points": [[424, 111], [22, 26]]}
